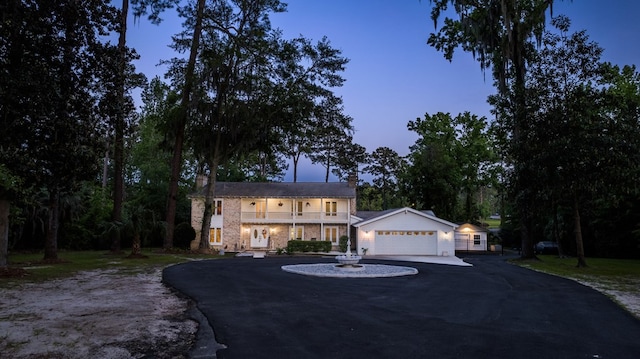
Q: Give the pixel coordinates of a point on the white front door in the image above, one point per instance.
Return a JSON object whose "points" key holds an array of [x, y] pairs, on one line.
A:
{"points": [[259, 237]]}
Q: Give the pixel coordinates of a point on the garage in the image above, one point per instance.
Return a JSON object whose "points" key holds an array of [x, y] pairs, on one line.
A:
{"points": [[406, 243], [403, 231]]}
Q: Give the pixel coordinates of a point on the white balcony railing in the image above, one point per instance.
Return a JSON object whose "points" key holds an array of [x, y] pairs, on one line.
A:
{"points": [[288, 217]]}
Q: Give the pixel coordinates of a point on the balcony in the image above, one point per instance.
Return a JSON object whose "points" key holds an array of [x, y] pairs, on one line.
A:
{"points": [[288, 217]]}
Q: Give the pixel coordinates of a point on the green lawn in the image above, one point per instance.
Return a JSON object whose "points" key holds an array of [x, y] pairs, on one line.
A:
{"points": [[77, 261]]}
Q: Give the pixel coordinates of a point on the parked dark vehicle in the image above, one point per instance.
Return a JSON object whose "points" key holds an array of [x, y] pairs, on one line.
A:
{"points": [[546, 247]]}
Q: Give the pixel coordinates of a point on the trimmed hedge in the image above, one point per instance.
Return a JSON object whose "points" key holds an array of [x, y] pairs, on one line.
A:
{"points": [[308, 246]]}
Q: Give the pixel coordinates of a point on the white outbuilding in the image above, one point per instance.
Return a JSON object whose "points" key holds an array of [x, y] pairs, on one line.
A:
{"points": [[471, 238], [403, 231]]}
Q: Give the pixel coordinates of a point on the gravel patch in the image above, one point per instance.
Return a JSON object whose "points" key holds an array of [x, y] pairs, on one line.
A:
{"points": [[365, 271], [95, 314]]}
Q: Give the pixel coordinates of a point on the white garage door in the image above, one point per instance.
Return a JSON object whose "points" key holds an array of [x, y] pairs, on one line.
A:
{"points": [[406, 243]]}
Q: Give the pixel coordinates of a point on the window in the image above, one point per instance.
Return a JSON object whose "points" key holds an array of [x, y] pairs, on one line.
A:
{"points": [[331, 234], [476, 239], [296, 233], [331, 208], [299, 208], [215, 236], [216, 208]]}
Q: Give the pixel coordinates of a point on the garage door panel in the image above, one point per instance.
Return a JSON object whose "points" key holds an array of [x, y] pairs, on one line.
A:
{"points": [[415, 244]]}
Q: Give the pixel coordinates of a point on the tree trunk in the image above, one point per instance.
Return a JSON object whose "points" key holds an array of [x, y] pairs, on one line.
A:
{"points": [[51, 240], [4, 232], [208, 199], [176, 161], [556, 229], [296, 158], [578, 233], [206, 217], [136, 247], [118, 148]]}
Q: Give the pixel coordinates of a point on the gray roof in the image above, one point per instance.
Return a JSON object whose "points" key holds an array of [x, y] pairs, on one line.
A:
{"points": [[282, 190], [366, 215]]}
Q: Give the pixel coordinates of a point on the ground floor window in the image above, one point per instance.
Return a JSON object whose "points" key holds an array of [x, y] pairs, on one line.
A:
{"points": [[331, 234], [296, 233], [476, 239], [215, 236]]}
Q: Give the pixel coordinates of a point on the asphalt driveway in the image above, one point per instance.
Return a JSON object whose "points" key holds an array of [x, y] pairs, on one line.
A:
{"points": [[490, 310]]}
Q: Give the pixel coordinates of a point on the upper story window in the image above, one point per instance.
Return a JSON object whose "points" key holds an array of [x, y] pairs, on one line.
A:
{"points": [[216, 208], [331, 208]]}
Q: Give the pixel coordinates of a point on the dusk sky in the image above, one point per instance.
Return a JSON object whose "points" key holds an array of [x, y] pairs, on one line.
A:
{"points": [[393, 75]]}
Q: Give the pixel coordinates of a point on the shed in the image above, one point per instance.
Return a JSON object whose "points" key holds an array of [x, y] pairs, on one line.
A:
{"points": [[470, 237]]}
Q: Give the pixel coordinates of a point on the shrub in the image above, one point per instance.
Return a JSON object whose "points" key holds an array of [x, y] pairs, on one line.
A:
{"points": [[183, 234], [343, 243], [308, 246]]}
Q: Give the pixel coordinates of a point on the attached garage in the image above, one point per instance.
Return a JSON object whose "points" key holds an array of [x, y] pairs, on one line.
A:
{"points": [[404, 231]]}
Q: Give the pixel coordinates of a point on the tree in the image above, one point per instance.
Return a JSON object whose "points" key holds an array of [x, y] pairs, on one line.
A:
{"points": [[385, 165], [433, 179], [9, 186], [499, 32], [52, 62], [350, 157], [306, 74], [233, 87], [187, 78], [332, 131], [476, 160]]}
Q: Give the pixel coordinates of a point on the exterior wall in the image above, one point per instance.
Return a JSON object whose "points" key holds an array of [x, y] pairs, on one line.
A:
{"points": [[464, 241], [231, 235]]}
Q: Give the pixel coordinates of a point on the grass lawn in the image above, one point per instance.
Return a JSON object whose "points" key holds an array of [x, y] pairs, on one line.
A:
{"points": [[72, 262], [493, 223]]}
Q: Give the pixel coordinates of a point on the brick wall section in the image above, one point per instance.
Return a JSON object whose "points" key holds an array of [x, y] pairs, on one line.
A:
{"points": [[232, 236]]}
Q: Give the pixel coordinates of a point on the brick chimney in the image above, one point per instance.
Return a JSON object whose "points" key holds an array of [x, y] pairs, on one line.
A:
{"points": [[352, 180]]}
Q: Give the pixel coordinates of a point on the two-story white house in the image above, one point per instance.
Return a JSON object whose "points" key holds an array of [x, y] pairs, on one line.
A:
{"points": [[266, 215]]}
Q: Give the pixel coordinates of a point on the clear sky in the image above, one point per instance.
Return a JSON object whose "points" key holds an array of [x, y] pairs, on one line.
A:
{"points": [[393, 76]]}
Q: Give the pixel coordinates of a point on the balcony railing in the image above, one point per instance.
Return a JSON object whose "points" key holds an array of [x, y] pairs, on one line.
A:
{"points": [[288, 217]]}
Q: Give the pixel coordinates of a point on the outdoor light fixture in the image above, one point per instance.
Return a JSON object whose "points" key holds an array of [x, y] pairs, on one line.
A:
{"points": [[280, 204], [308, 204], [253, 203]]}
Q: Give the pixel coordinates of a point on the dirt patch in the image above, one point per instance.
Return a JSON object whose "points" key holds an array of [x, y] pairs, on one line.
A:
{"points": [[96, 314]]}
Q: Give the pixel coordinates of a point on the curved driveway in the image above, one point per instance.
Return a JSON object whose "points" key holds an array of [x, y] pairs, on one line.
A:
{"points": [[491, 310]]}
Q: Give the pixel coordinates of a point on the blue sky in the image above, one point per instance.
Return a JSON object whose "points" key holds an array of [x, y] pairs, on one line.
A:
{"points": [[393, 76]]}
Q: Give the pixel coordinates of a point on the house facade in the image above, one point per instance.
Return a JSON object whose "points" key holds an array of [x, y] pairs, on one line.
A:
{"points": [[263, 216]]}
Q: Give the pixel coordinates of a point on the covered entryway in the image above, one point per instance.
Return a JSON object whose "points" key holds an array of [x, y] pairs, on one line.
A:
{"points": [[406, 243]]}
